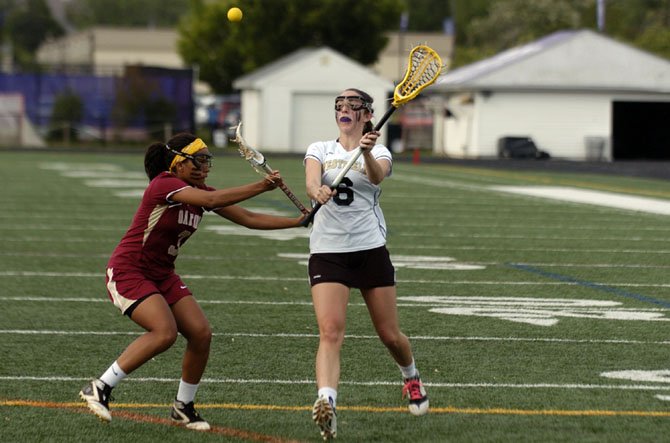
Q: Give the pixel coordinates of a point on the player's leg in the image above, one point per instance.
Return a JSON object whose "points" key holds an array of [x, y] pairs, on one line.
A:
{"points": [[153, 314], [194, 327], [330, 306], [381, 304]]}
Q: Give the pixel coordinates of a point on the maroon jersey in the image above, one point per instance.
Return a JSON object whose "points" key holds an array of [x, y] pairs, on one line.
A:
{"points": [[159, 228]]}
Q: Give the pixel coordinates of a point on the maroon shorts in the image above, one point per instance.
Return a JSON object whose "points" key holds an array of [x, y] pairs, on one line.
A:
{"points": [[367, 269], [126, 287]]}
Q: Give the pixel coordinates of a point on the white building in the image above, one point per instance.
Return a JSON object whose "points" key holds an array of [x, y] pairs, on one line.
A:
{"points": [[289, 103], [106, 50], [567, 91]]}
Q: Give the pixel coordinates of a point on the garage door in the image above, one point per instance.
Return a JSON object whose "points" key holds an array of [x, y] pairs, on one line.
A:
{"points": [[313, 119], [640, 130]]}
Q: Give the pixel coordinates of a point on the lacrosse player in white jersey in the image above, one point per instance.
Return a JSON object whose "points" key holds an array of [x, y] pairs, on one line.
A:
{"points": [[348, 250]]}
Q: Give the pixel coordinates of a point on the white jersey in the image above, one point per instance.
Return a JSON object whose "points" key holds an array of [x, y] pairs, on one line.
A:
{"points": [[352, 220]]}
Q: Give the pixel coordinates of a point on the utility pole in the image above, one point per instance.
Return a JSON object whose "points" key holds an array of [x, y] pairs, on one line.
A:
{"points": [[600, 15]]}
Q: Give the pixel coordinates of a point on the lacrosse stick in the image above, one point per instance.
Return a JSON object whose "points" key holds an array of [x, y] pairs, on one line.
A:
{"points": [[423, 69], [260, 165]]}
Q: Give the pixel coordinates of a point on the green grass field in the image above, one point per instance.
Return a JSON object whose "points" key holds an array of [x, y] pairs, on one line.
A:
{"points": [[532, 319]]}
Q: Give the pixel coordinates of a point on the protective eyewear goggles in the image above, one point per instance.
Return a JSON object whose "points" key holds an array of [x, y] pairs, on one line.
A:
{"points": [[354, 102], [198, 160]]}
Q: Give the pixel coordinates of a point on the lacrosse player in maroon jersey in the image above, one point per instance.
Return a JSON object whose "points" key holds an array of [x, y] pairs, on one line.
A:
{"points": [[141, 278], [348, 250]]}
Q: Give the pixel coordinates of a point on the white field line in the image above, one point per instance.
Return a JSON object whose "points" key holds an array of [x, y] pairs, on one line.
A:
{"points": [[539, 236], [493, 236], [219, 258], [541, 227], [70, 227], [265, 258], [354, 337], [437, 304], [250, 243], [590, 197], [517, 249], [647, 387], [397, 236], [33, 274], [563, 194], [451, 223]]}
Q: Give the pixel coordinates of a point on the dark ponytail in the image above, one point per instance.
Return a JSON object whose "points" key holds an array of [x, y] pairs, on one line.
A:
{"points": [[158, 158], [367, 98], [155, 160], [368, 127]]}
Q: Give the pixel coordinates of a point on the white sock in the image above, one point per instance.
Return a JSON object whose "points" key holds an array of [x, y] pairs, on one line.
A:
{"points": [[329, 393], [186, 392], [409, 371], [113, 375]]}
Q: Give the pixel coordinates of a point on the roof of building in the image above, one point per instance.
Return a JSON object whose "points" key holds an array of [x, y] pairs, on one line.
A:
{"points": [[565, 60], [323, 58]]}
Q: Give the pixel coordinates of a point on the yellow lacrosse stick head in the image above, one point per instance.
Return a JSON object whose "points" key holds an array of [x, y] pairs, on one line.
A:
{"points": [[424, 66]]}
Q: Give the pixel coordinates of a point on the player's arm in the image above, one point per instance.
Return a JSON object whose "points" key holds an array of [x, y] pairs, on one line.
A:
{"points": [[315, 189], [257, 220], [376, 170], [225, 197]]}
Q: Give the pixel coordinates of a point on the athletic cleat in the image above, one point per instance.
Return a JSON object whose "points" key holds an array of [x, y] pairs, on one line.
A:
{"points": [[185, 414], [325, 417], [97, 395], [418, 399]]}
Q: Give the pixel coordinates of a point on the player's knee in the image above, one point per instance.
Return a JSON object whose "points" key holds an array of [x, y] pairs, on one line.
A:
{"points": [[202, 337], [390, 338], [331, 333], [164, 338]]}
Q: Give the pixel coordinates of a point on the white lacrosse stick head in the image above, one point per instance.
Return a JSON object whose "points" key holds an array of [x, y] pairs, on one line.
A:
{"points": [[255, 158]]}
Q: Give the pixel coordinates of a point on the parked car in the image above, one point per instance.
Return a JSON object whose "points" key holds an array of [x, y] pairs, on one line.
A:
{"points": [[520, 147]]}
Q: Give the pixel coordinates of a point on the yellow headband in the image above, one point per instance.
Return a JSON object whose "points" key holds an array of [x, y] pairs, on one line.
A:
{"points": [[190, 149]]}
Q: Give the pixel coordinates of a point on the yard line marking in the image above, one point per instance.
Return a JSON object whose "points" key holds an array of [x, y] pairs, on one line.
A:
{"points": [[371, 409], [355, 336], [525, 236], [568, 194], [592, 285], [590, 197], [590, 265], [231, 242], [569, 250], [421, 301], [281, 259], [299, 233], [545, 226], [89, 227], [151, 419], [303, 279], [482, 385], [535, 310]]}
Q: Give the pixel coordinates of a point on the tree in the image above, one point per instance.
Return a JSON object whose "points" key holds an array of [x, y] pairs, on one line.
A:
{"points": [[68, 110], [27, 24], [271, 29], [514, 22], [490, 26], [427, 15], [144, 13]]}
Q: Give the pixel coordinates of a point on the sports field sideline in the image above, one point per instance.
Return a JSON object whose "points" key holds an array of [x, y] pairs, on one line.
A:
{"points": [[536, 313]]}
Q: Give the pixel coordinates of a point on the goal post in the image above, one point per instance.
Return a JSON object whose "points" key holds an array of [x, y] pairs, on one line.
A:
{"points": [[15, 126]]}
